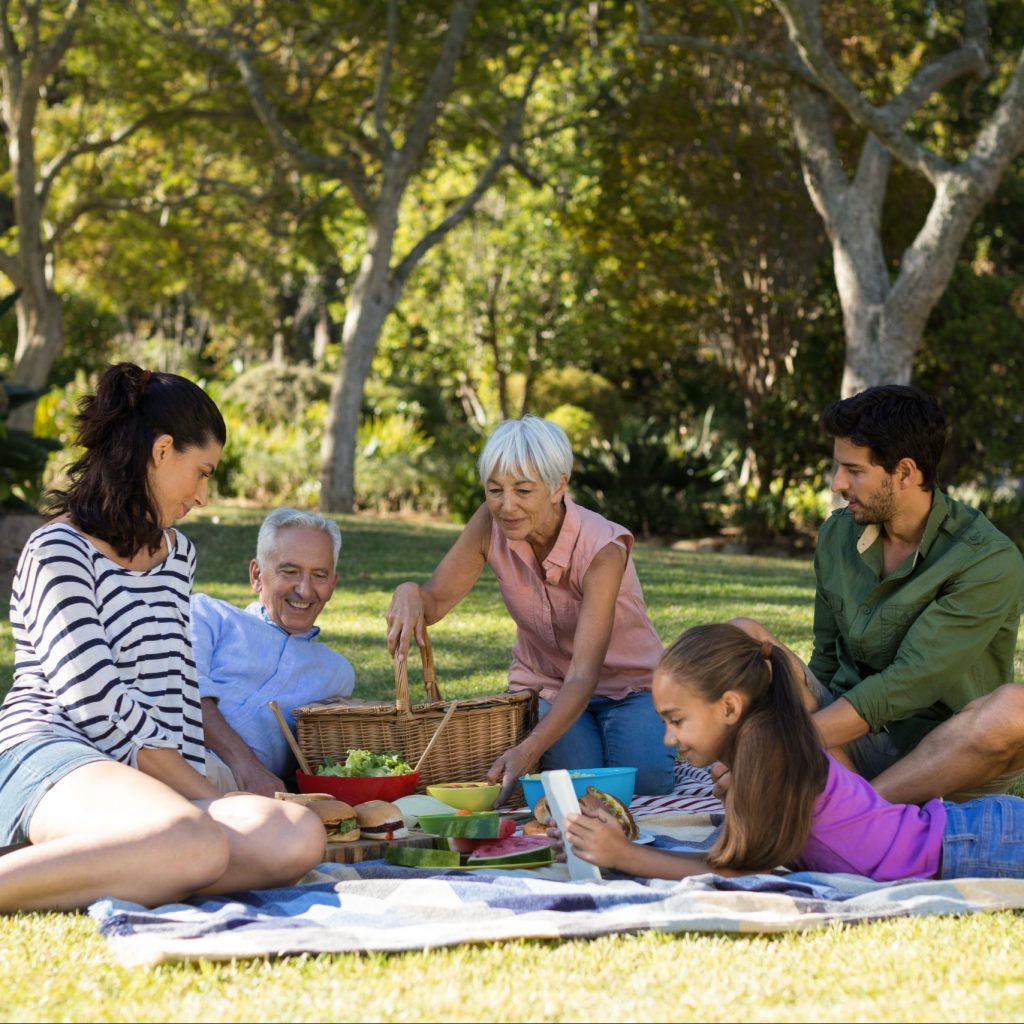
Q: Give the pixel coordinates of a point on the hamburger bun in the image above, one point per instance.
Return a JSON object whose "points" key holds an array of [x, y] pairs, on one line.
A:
{"points": [[542, 814], [303, 798], [339, 820], [380, 819], [535, 827]]}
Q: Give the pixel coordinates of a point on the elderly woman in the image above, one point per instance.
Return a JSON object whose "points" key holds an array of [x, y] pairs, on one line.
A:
{"points": [[584, 640]]}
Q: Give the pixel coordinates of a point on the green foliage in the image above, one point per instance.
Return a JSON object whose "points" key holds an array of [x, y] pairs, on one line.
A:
{"points": [[571, 386], [580, 425], [393, 471], [273, 394], [273, 462], [652, 483]]}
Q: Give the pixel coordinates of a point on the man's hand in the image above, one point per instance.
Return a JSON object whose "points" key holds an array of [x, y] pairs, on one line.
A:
{"points": [[254, 778], [721, 776]]}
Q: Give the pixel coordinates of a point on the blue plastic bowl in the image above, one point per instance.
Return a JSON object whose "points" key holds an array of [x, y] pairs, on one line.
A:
{"points": [[620, 782]]}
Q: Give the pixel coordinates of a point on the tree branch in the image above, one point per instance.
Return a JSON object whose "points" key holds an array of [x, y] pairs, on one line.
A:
{"points": [[380, 100], [803, 22], [47, 60], [513, 128], [437, 87], [776, 64], [347, 170]]}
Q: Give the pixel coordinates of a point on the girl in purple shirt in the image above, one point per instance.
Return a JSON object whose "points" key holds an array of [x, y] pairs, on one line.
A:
{"points": [[725, 696]]}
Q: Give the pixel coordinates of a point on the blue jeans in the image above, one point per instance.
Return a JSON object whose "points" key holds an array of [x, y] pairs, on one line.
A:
{"points": [[984, 838], [616, 733]]}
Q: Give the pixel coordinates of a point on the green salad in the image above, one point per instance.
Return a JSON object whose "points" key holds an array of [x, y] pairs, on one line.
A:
{"points": [[364, 763]]}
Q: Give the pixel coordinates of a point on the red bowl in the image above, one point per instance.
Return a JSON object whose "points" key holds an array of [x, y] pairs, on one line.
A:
{"points": [[359, 789]]}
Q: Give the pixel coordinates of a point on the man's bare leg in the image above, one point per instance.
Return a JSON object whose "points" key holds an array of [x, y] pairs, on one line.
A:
{"points": [[981, 742]]}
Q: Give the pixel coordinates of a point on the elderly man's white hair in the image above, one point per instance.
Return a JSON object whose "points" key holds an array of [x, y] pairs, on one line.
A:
{"points": [[527, 448], [283, 518]]}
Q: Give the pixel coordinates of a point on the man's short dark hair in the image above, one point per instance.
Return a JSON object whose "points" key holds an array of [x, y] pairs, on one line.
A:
{"points": [[895, 421]]}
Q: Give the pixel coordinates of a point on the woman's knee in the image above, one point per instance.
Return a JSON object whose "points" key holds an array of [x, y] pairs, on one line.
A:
{"points": [[275, 840], [191, 847]]}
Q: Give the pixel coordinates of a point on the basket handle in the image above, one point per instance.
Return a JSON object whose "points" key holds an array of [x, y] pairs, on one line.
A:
{"points": [[402, 705]]}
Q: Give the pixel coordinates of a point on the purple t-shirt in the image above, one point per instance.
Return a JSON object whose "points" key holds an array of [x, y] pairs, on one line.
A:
{"points": [[856, 831]]}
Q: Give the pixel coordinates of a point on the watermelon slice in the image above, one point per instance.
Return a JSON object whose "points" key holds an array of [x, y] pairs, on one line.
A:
{"points": [[518, 851], [506, 829], [478, 825], [417, 857]]}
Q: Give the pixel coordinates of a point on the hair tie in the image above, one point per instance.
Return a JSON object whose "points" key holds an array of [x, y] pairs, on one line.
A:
{"points": [[146, 374], [766, 650]]}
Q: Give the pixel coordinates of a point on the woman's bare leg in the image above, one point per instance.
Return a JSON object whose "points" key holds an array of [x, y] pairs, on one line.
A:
{"points": [[108, 830]]}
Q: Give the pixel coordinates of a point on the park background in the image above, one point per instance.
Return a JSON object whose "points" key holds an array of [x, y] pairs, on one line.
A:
{"points": [[373, 229]]}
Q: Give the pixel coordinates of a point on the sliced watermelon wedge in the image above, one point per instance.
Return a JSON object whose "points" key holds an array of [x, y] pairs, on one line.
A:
{"points": [[518, 851]]}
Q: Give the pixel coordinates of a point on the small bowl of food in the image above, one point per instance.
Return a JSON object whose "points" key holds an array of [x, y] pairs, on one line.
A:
{"points": [[466, 796]]}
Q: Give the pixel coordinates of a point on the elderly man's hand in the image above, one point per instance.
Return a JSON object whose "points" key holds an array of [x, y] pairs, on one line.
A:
{"points": [[257, 779]]}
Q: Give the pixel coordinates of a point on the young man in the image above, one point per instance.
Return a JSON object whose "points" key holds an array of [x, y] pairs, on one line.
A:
{"points": [[917, 606], [247, 658]]}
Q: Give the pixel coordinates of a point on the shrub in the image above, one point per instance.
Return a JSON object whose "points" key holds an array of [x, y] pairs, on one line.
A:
{"points": [[274, 394], [393, 472], [652, 483], [569, 385]]}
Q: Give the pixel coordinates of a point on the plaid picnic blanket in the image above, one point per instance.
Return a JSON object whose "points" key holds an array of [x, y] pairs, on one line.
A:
{"points": [[372, 906]]}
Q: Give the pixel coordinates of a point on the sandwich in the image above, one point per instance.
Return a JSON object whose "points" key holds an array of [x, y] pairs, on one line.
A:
{"points": [[379, 819], [339, 820], [593, 800]]}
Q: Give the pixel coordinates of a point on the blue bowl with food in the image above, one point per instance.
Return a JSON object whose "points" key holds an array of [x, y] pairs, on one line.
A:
{"points": [[619, 782]]}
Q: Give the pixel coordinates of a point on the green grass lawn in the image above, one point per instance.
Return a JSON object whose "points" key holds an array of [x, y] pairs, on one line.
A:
{"points": [[55, 967]]}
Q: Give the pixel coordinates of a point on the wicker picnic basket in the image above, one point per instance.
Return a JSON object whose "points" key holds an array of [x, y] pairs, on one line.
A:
{"points": [[480, 729]]}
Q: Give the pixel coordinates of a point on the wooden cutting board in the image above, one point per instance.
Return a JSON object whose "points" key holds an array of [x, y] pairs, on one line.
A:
{"points": [[373, 849]]}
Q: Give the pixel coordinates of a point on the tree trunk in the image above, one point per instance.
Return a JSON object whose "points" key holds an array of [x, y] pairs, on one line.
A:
{"points": [[372, 299]]}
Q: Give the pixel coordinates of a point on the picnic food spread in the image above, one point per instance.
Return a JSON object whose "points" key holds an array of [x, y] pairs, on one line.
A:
{"points": [[380, 819]]}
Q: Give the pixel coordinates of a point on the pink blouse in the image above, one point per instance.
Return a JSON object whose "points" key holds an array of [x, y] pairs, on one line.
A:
{"points": [[544, 602]]}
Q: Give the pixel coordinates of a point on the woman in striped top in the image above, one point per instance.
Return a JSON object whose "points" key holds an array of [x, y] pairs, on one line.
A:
{"points": [[101, 735]]}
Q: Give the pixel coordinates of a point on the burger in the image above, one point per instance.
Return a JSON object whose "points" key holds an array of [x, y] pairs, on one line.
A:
{"points": [[594, 800], [339, 820], [379, 819], [535, 827]]}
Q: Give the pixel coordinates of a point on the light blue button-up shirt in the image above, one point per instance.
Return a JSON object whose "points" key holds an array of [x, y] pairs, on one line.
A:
{"points": [[243, 661]]}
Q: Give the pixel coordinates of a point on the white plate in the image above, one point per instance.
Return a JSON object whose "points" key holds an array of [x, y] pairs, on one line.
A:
{"points": [[644, 838]]}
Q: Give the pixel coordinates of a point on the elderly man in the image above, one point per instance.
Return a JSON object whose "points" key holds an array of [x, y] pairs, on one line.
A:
{"points": [[268, 652], [916, 614]]}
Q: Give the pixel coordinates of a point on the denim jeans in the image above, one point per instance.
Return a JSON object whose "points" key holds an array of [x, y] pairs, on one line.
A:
{"points": [[28, 771], [616, 733], [984, 838]]}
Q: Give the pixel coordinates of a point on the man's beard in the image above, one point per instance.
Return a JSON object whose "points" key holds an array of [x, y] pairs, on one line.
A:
{"points": [[880, 508]]}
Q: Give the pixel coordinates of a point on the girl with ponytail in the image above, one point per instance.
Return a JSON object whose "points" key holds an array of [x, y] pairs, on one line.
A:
{"points": [[727, 696]]}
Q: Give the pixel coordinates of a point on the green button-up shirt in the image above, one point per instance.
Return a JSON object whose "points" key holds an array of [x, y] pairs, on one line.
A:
{"points": [[910, 650]]}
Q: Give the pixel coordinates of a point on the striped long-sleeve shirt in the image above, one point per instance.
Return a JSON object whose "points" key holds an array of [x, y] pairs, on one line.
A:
{"points": [[101, 653]]}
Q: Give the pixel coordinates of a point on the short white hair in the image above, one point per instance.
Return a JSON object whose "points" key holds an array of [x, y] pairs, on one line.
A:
{"points": [[284, 518], [527, 447]]}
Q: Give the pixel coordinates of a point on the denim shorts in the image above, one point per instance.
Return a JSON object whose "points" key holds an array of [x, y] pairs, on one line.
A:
{"points": [[27, 773], [984, 838]]}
